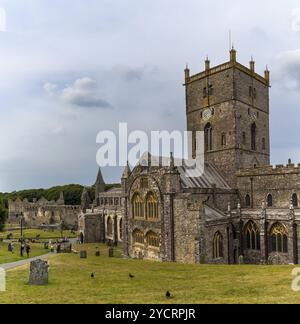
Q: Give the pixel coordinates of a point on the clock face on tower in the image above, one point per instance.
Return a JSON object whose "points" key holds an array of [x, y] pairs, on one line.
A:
{"points": [[207, 113]]}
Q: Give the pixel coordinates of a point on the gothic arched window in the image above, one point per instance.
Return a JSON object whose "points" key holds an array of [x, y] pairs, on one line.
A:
{"points": [[138, 207], [138, 237], [109, 226], [248, 201], [244, 138], [270, 200], [252, 236], [208, 136], [223, 139], [295, 200], [218, 246], [253, 137], [152, 207], [279, 238], [152, 239]]}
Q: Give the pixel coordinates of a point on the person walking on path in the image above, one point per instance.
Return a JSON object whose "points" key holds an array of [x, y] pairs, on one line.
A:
{"points": [[22, 249], [28, 248]]}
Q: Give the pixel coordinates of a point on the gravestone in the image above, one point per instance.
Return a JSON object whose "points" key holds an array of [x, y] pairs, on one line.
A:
{"points": [[38, 273], [97, 253], [111, 252], [202, 258], [83, 255]]}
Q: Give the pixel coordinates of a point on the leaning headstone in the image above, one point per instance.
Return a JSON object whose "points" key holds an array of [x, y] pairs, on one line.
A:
{"points": [[97, 253], [38, 273], [83, 254], [111, 252], [241, 259]]}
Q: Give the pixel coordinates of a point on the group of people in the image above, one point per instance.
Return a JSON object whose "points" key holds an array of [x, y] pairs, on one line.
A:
{"points": [[24, 248], [57, 246]]}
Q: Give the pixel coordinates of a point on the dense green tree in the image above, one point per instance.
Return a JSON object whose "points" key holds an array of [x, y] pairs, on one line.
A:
{"points": [[3, 215]]}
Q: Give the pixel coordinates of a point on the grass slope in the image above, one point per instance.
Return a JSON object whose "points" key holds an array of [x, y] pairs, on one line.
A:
{"points": [[8, 257], [33, 233], [70, 282]]}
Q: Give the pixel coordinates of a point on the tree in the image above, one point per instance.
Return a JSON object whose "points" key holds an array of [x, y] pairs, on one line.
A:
{"points": [[3, 215]]}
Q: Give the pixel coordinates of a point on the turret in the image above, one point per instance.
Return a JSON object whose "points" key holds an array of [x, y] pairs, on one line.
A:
{"points": [[99, 187], [125, 176]]}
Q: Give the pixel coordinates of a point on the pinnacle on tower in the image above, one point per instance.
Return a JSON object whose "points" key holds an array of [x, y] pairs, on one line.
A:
{"points": [[267, 75], [233, 54], [252, 65], [187, 72], [127, 172], [207, 64]]}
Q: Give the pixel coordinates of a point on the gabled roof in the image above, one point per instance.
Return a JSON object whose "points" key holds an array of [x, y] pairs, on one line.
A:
{"points": [[191, 178], [212, 214], [208, 179]]}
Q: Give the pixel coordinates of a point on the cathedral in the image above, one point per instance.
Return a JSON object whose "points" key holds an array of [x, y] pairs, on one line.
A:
{"points": [[240, 210]]}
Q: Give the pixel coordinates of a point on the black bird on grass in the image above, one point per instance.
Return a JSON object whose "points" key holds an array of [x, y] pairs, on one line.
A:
{"points": [[92, 276], [131, 276], [168, 295]]}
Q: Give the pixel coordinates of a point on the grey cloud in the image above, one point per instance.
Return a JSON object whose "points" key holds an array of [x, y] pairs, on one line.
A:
{"points": [[82, 92], [128, 73], [287, 70]]}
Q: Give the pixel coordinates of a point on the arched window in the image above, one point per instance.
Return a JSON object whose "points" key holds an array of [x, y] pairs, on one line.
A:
{"points": [[279, 238], [248, 201], [218, 246], [295, 200], [109, 226], [223, 139], [252, 236], [152, 207], [138, 207], [244, 138], [121, 229], [208, 136], [138, 237], [270, 200], [152, 239], [253, 137]]}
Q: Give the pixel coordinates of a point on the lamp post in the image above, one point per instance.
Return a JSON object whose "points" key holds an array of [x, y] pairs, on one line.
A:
{"points": [[21, 223]]}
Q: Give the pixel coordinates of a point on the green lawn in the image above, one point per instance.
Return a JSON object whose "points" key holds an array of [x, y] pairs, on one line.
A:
{"points": [[32, 234], [70, 282], [7, 257]]}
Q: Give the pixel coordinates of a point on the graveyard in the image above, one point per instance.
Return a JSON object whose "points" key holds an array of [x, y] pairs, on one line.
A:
{"points": [[70, 281]]}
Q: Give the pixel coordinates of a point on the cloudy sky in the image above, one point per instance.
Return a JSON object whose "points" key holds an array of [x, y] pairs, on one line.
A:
{"points": [[74, 67]]}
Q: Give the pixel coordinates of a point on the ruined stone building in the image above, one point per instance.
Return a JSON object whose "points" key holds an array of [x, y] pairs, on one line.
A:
{"points": [[240, 209], [43, 212]]}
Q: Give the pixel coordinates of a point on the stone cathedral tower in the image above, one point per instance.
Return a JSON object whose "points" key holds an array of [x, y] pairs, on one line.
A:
{"points": [[230, 103]]}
